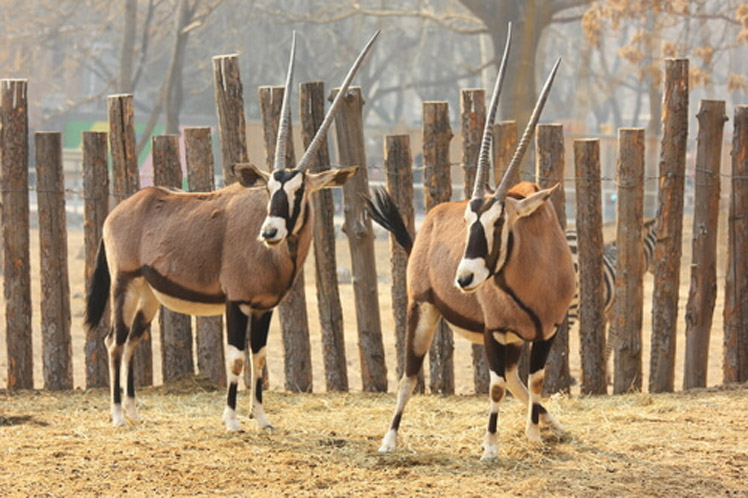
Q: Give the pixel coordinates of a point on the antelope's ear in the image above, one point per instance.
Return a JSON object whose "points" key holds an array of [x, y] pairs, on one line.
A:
{"points": [[249, 175], [331, 178], [521, 208]]}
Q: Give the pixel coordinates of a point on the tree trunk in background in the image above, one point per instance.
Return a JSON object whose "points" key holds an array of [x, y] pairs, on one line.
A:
{"points": [[504, 144], [230, 109], [127, 51]]}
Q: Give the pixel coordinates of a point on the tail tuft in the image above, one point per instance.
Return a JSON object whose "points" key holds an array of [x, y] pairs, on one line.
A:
{"points": [[98, 290], [384, 211]]}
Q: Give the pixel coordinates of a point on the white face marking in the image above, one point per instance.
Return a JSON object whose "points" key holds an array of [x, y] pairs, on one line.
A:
{"points": [[473, 272], [273, 225], [274, 230]]}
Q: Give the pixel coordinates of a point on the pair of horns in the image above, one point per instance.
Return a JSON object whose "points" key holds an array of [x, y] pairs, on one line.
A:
{"points": [[481, 176], [283, 128]]}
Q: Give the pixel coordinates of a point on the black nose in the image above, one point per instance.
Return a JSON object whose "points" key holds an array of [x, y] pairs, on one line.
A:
{"points": [[465, 280], [270, 233]]}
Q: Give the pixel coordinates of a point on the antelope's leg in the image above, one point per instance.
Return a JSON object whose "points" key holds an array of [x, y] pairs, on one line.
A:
{"points": [[258, 337], [121, 304], [513, 382], [496, 355], [422, 319], [536, 411], [236, 327]]}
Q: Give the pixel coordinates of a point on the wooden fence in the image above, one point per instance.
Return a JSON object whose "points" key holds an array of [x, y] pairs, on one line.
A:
{"points": [[100, 194]]}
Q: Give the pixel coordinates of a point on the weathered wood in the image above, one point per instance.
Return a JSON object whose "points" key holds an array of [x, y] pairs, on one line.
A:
{"points": [[14, 159], [57, 349], [292, 310], [208, 329], [473, 119], [96, 208], [667, 251], [703, 292], [230, 109], [437, 182], [735, 365], [312, 113], [125, 182], [358, 229], [398, 167], [626, 325], [549, 142], [176, 328], [590, 247], [504, 144]]}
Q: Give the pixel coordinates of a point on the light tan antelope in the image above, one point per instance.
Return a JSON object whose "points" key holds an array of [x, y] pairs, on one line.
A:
{"points": [[498, 268], [237, 251]]}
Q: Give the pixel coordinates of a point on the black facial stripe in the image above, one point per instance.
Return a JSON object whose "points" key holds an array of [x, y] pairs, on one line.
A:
{"points": [[298, 196], [476, 243], [279, 203]]}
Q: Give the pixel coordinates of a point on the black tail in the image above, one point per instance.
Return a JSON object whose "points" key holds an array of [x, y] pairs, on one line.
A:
{"points": [[98, 290], [383, 210]]}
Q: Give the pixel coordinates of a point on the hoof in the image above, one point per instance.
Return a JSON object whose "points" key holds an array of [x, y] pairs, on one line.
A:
{"points": [[533, 434], [389, 442], [232, 423], [551, 422], [490, 448]]}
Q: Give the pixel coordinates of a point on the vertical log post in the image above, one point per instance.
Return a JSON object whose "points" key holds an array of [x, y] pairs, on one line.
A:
{"points": [[667, 251], [57, 349], [312, 113], [504, 144], [473, 117], [626, 327], [208, 329], [230, 109], [292, 310], [735, 365], [14, 156], [96, 207], [437, 184], [357, 227], [703, 292], [550, 165], [176, 328], [398, 167], [125, 182], [590, 250]]}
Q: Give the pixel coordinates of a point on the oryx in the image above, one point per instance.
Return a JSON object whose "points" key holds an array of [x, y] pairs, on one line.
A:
{"points": [[236, 251]]}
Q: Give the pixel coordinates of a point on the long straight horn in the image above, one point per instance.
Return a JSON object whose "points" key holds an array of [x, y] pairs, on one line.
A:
{"points": [[320, 135], [285, 119], [479, 189], [503, 188]]}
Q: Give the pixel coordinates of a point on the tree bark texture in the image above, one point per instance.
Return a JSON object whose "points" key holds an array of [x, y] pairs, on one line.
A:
{"points": [[292, 310], [208, 329], [504, 144], [703, 292], [473, 118], [358, 229], [57, 349], [230, 108], [312, 113], [14, 156], [735, 365], [626, 327], [437, 134], [667, 251], [590, 250], [550, 166], [125, 182], [176, 328], [96, 208]]}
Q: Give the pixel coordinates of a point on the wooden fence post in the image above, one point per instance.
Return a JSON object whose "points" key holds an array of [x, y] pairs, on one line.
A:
{"points": [[703, 292], [473, 118], [398, 166], [14, 156], [590, 250], [57, 349], [96, 200], [312, 113], [357, 227], [504, 144], [292, 310], [437, 184], [176, 328], [626, 325], [549, 142], [230, 108], [667, 251], [208, 329], [735, 365], [125, 182]]}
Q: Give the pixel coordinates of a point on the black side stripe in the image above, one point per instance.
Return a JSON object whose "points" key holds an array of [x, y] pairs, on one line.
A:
{"points": [[501, 281], [173, 289]]}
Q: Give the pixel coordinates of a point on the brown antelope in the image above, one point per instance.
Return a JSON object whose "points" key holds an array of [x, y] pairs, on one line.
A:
{"points": [[237, 250], [498, 268]]}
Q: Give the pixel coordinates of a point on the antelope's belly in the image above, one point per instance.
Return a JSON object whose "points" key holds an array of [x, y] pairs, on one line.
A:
{"points": [[189, 307]]}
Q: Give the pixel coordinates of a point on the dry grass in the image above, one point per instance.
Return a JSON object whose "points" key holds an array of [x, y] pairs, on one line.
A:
{"points": [[684, 444]]}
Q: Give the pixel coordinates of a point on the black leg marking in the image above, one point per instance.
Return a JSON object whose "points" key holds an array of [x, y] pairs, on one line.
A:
{"points": [[492, 422], [258, 332], [539, 354], [396, 421], [236, 325], [258, 390], [231, 400], [537, 411]]}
